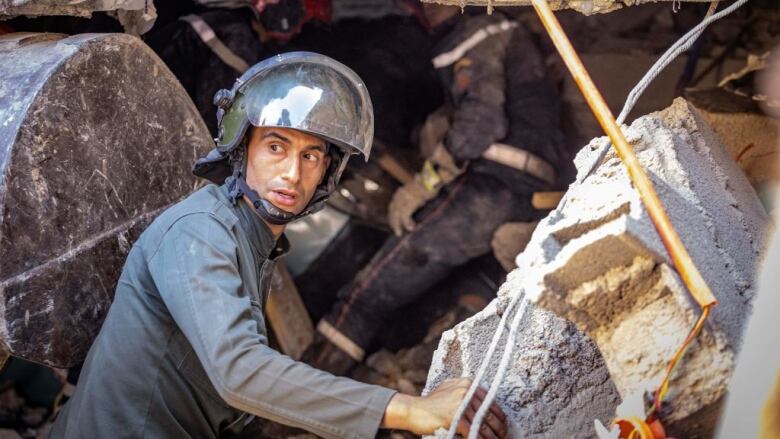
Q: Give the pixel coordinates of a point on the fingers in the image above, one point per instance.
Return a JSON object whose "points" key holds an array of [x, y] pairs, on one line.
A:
{"points": [[399, 213], [400, 222], [494, 421], [409, 223], [494, 424], [394, 218], [499, 414], [497, 427], [395, 224]]}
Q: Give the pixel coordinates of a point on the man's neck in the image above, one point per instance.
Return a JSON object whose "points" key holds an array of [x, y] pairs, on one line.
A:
{"points": [[276, 229]]}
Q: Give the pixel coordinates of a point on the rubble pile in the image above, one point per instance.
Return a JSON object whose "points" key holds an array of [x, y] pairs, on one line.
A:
{"points": [[607, 309], [407, 369]]}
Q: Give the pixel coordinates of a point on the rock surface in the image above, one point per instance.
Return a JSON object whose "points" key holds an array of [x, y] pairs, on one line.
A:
{"points": [[597, 262], [96, 138]]}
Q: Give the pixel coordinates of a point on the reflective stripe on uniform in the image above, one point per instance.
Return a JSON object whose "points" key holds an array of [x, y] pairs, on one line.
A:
{"points": [[209, 37], [451, 57], [341, 341], [521, 160]]}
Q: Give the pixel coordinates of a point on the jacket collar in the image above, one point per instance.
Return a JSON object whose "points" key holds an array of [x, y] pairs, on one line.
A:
{"points": [[263, 242]]}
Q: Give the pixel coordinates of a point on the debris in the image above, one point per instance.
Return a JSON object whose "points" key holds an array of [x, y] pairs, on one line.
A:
{"points": [[510, 240], [407, 369], [289, 320], [586, 7], [137, 16], [751, 139], [96, 138], [616, 74], [597, 261]]}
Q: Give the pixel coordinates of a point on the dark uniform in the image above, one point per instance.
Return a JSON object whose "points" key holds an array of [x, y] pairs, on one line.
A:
{"points": [[183, 351], [499, 94], [199, 69]]}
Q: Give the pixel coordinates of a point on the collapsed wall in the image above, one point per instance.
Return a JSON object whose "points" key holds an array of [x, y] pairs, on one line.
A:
{"points": [[597, 262]]}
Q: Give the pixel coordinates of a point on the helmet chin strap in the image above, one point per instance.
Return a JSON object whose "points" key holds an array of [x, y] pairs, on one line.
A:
{"points": [[267, 211]]}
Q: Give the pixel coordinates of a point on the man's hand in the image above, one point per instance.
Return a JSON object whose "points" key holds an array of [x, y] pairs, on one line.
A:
{"points": [[424, 415], [438, 171], [406, 200]]}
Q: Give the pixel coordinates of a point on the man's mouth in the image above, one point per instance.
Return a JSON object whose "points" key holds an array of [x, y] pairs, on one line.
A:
{"points": [[284, 197]]}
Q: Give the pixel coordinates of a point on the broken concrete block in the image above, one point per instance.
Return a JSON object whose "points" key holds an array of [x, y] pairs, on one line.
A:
{"points": [[96, 138], [610, 274], [557, 382], [597, 261]]}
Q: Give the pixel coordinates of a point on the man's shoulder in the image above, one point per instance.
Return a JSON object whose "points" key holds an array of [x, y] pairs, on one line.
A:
{"points": [[205, 208], [208, 200], [473, 36]]}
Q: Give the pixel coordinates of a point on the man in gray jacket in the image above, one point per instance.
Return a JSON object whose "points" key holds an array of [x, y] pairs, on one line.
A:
{"points": [[183, 351]]}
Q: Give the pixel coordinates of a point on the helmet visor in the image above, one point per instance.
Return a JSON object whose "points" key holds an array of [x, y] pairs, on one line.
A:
{"points": [[321, 97]]}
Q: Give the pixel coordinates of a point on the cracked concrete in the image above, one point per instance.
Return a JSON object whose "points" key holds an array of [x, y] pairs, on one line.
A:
{"points": [[608, 310]]}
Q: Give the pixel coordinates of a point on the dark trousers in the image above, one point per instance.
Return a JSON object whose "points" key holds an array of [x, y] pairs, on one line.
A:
{"points": [[452, 229]]}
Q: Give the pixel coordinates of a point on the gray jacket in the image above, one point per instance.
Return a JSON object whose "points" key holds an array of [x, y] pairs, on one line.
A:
{"points": [[183, 351]]}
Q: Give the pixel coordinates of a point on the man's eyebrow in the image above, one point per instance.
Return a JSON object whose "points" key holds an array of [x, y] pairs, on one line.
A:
{"points": [[277, 135], [320, 148]]}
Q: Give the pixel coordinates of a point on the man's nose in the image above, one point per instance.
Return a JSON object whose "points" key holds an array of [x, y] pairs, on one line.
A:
{"points": [[292, 171]]}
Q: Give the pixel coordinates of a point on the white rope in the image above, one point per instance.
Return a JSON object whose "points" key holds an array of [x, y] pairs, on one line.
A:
{"points": [[502, 367], [482, 367]]}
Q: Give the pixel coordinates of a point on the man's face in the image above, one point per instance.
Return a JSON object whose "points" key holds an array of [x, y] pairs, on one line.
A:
{"points": [[285, 166]]}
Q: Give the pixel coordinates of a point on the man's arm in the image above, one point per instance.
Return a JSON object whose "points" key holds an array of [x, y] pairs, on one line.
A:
{"points": [[479, 94], [196, 272]]}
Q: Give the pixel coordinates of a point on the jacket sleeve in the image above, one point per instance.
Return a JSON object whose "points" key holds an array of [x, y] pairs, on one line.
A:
{"points": [[196, 271], [478, 94]]}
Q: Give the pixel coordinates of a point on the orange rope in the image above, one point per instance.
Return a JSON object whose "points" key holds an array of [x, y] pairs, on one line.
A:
{"points": [[660, 393]]}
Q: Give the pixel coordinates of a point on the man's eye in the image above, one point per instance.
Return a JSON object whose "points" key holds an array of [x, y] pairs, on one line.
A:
{"points": [[312, 157], [275, 147]]}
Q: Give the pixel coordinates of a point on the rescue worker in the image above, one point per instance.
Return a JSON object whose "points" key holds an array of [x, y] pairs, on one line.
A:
{"points": [[501, 141], [183, 351]]}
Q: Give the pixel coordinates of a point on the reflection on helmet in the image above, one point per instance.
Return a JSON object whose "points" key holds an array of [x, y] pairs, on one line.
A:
{"points": [[277, 112], [303, 91]]}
